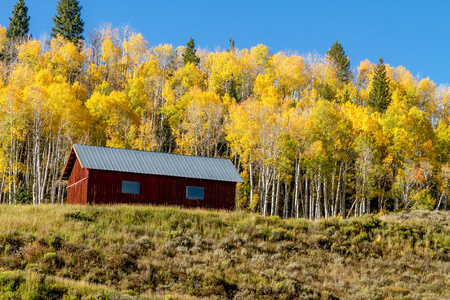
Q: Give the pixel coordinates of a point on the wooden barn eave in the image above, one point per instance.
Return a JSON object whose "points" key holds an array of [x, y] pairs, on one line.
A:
{"points": [[69, 165]]}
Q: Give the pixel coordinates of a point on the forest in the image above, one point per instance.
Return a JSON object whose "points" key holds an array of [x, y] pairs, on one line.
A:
{"points": [[311, 136]]}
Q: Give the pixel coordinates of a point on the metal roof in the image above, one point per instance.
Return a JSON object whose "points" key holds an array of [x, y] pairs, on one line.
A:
{"points": [[156, 163]]}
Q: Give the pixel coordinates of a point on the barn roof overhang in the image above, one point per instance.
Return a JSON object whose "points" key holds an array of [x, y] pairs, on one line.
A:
{"points": [[69, 165]]}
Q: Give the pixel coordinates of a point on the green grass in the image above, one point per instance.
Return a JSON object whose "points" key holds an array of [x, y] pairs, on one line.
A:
{"points": [[126, 252]]}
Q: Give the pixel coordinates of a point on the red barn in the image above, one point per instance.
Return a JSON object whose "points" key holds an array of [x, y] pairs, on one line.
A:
{"points": [[98, 175]]}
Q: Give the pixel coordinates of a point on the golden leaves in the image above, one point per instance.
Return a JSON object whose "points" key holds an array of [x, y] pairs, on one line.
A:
{"points": [[3, 37], [30, 53]]}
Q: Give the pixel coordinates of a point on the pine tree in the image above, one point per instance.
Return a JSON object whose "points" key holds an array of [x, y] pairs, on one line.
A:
{"points": [[380, 96], [19, 22], [68, 20], [340, 62], [231, 46], [232, 91], [346, 96], [328, 93], [190, 54]]}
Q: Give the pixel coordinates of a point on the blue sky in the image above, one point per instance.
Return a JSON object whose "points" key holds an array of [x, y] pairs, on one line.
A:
{"points": [[415, 34]]}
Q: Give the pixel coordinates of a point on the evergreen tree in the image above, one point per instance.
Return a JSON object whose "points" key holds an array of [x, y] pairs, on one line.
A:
{"points": [[19, 22], [232, 91], [380, 96], [340, 62], [16, 32], [346, 96], [190, 54], [68, 20], [21, 195], [328, 93], [231, 47]]}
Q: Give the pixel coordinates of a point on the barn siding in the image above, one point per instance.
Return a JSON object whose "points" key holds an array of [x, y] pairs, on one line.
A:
{"points": [[105, 187], [77, 185]]}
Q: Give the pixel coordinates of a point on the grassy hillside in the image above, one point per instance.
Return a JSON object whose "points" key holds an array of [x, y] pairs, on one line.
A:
{"points": [[118, 252]]}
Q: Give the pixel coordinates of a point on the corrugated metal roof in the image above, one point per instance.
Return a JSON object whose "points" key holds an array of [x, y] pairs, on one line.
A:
{"points": [[156, 163]]}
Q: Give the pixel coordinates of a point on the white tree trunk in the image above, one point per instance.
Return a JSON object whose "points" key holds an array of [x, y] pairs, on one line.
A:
{"points": [[272, 204], [318, 212], [344, 180], [277, 196], [251, 179], [296, 192], [311, 199], [286, 197], [325, 199]]}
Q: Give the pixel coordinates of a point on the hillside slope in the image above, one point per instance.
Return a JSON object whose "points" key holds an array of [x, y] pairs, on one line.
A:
{"points": [[115, 252]]}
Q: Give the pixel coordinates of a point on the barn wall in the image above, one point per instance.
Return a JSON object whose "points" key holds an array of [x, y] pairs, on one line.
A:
{"points": [[106, 187], [77, 185]]}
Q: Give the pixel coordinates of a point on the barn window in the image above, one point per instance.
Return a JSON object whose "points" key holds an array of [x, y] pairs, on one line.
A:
{"points": [[130, 187], [195, 193]]}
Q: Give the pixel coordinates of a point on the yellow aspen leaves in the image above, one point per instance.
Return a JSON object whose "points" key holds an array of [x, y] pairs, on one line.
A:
{"points": [[30, 53], [135, 51], [3, 37]]}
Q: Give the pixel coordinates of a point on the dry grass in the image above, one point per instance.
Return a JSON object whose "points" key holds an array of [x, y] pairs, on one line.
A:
{"points": [[122, 252]]}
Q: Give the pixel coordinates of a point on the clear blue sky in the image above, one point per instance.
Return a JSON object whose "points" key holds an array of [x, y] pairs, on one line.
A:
{"points": [[415, 34]]}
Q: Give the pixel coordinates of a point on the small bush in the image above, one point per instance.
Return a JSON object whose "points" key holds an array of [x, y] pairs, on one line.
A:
{"points": [[363, 236], [279, 234], [319, 241], [145, 243], [56, 242], [10, 282], [21, 196], [81, 216], [338, 248], [51, 262]]}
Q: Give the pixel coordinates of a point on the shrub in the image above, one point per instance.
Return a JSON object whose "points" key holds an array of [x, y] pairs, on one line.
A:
{"points": [[341, 249], [145, 242], [279, 234], [21, 196], [56, 242], [10, 283], [363, 236], [319, 241], [81, 216], [51, 262]]}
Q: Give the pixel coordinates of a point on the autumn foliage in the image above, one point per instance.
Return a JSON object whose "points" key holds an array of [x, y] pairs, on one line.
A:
{"points": [[304, 133]]}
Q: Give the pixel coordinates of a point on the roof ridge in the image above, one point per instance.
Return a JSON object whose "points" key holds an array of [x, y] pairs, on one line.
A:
{"points": [[138, 150]]}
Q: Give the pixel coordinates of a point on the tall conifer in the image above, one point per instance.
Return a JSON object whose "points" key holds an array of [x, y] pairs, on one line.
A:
{"points": [[68, 20], [190, 54], [19, 22], [232, 90], [340, 62], [380, 96], [231, 47]]}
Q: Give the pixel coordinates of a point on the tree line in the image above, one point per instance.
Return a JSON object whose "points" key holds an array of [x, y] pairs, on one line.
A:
{"points": [[310, 137]]}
